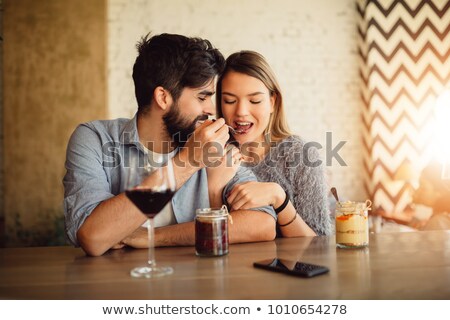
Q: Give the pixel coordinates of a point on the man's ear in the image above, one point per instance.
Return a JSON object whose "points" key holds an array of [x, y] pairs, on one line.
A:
{"points": [[162, 97]]}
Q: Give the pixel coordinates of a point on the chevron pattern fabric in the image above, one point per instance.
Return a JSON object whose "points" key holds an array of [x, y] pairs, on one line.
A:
{"points": [[404, 49]]}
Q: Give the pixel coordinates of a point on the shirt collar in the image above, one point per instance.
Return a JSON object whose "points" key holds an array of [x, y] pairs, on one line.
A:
{"points": [[130, 134]]}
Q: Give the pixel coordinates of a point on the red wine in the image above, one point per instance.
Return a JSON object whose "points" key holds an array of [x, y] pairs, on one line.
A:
{"points": [[150, 202]]}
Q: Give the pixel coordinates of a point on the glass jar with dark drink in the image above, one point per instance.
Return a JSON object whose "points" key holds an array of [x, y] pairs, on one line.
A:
{"points": [[211, 232]]}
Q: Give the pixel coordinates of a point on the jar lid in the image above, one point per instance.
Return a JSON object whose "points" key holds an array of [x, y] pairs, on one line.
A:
{"points": [[211, 212]]}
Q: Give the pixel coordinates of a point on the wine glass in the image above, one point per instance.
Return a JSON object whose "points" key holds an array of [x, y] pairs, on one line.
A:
{"points": [[150, 188]]}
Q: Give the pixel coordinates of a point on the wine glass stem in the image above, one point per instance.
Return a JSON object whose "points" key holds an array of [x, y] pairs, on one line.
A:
{"points": [[151, 243]]}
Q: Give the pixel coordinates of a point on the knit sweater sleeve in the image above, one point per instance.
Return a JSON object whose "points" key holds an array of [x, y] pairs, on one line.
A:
{"points": [[305, 178]]}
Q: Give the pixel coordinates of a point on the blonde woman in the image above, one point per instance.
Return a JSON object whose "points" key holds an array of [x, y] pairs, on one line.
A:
{"points": [[291, 177]]}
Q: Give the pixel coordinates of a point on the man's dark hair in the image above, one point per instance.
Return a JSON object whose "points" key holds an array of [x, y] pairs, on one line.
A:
{"points": [[173, 62]]}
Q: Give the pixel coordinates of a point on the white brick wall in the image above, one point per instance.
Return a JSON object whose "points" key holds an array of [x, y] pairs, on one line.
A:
{"points": [[311, 45]]}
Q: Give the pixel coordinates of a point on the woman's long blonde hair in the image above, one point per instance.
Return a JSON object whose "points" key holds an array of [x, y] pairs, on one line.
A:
{"points": [[255, 65]]}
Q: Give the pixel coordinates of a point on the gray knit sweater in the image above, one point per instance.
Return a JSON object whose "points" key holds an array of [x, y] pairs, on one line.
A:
{"points": [[305, 184]]}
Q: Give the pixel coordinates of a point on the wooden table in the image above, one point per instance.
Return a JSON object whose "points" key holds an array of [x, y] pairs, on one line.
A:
{"points": [[412, 265]]}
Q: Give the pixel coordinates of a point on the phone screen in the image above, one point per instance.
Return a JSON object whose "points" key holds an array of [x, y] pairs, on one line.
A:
{"points": [[291, 267]]}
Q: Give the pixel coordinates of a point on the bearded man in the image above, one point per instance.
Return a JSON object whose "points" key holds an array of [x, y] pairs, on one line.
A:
{"points": [[174, 80]]}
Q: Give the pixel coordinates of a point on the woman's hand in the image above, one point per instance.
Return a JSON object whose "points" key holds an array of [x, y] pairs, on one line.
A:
{"points": [[255, 194]]}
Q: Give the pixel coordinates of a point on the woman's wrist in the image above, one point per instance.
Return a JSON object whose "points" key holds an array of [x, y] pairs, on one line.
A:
{"points": [[278, 196]]}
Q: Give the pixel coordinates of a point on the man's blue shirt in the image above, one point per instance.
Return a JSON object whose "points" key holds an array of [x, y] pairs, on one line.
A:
{"points": [[98, 155]]}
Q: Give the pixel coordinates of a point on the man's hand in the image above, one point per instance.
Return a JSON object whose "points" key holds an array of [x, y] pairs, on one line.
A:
{"points": [[138, 239], [119, 245], [206, 145], [221, 172], [248, 226]]}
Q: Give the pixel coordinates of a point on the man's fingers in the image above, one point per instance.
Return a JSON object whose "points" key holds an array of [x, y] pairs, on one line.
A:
{"points": [[216, 125], [201, 125], [119, 245], [223, 134]]}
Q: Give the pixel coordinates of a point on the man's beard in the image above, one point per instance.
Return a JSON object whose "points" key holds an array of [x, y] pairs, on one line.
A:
{"points": [[178, 127]]}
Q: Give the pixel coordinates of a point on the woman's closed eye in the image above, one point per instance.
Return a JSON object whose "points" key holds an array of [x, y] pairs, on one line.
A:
{"points": [[233, 101]]}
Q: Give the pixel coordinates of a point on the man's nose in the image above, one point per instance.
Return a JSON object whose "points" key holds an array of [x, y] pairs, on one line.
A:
{"points": [[209, 108]]}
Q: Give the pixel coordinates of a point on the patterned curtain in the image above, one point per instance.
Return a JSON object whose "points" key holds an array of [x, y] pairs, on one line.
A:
{"points": [[404, 48]]}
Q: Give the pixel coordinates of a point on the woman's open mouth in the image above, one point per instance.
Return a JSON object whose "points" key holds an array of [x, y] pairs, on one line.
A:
{"points": [[242, 127]]}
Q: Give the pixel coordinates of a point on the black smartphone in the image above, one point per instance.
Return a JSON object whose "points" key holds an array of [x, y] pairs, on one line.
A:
{"points": [[295, 268]]}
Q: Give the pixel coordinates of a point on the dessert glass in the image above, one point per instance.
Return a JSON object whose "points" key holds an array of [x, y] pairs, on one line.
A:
{"points": [[352, 224]]}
